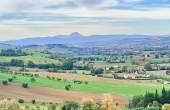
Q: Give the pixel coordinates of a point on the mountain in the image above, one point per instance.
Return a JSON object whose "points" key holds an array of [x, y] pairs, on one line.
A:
{"points": [[70, 39]]}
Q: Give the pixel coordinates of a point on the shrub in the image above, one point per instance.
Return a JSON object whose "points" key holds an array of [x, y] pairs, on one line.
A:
{"points": [[71, 105], [27, 107], [10, 79], [20, 100], [43, 103], [25, 85], [67, 87], [48, 77], [59, 79], [86, 82], [36, 75], [32, 80], [4, 82], [53, 107], [33, 101], [13, 77], [53, 78], [38, 107]]}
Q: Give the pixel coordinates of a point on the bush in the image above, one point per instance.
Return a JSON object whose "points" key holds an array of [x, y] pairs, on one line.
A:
{"points": [[32, 80], [10, 79], [53, 107], [4, 82], [20, 100], [27, 107], [33, 101], [25, 85], [43, 103], [36, 75], [59, 79], [48, 77], [13, 77], [67, 87], [86, 82]]}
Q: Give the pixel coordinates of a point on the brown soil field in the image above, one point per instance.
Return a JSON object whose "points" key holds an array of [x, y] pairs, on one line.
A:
{"points": [[70, 77], [43, 94]]}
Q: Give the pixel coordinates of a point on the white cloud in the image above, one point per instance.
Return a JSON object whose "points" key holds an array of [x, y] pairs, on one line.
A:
{"points": [[86, 18]]}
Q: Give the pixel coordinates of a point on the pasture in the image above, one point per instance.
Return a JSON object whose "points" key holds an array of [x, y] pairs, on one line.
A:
{"points": [[36, 59]]}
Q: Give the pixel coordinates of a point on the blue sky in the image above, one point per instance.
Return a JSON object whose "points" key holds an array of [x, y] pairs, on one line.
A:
{"points": [[35, 18]]}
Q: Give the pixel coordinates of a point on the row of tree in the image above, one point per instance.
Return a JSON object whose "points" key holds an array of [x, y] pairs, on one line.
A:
{"points": [[12, 52], [67, 65]]}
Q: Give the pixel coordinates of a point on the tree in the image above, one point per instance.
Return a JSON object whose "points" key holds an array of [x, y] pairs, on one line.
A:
{"points": [[67, 65], [148, 98], [164, 96], [148, 67], [138, 101], [88, 103], [25, 85], [9, 105], [33, 101], [166, 107], [32, 80], [20, 100], [131, 57], [156, 95], [107, 101], [70, 105], [124, 69], [156, 56], [31, 64], [4, 82]]}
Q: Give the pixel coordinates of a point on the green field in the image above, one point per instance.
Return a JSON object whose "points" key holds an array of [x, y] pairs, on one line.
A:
{"points": [[159, 59], [103, 63], [127, 90], [36, 53], [35, 59]]}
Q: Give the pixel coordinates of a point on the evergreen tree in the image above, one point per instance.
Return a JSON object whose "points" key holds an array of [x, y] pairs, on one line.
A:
{"points": [[156, 95], [164, 96]]}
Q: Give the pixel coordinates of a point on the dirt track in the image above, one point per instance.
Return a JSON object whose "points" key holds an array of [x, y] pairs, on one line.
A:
{"points": [[43, 94]]}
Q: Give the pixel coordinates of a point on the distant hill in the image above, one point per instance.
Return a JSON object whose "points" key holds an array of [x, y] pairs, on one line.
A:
{"points": [[6, 46], [69, 39]]}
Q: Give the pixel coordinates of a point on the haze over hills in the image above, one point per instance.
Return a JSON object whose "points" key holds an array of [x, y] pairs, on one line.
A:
{"points": [[70, 39]]}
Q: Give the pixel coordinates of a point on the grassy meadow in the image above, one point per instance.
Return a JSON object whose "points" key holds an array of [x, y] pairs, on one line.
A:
{"points": [[37, 58]]}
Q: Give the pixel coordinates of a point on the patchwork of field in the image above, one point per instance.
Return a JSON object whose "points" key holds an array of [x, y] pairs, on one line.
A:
{"points": [[43, 94], [96, 85]]}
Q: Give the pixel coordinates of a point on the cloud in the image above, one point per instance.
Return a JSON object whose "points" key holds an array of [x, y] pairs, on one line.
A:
{"points": [[26, 18]]}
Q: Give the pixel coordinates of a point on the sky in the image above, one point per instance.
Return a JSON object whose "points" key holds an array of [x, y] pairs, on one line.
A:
{"points": [[40, 18]]}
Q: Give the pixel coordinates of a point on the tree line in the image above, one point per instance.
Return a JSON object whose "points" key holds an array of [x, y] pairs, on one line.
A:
{"points": [[67, 65], [12, 52]]}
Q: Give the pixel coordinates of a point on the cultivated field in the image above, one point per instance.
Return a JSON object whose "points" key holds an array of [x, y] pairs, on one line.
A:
{"points": [[43, 94], [96, 85]]}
